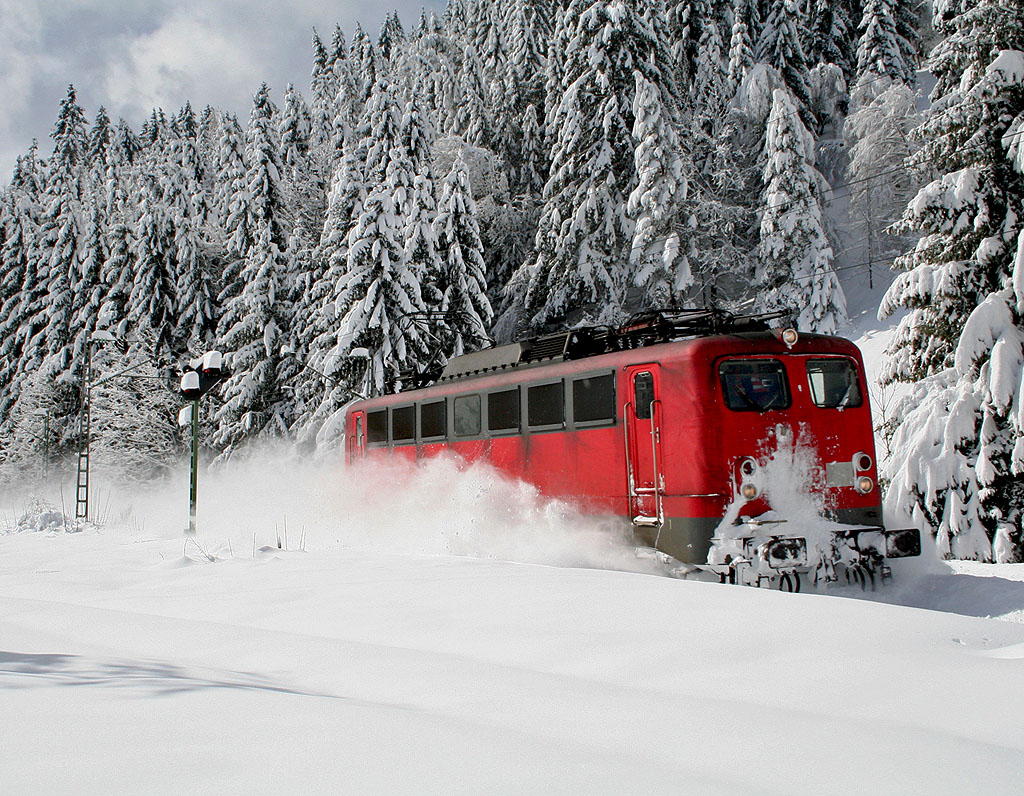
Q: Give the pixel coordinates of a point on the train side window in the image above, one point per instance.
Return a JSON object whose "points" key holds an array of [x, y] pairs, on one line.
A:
{"points": [[403, 424], [503, 410], [432, 420], [834, 383], [467, 415], [545, 405], [593, 399], [377, 427], [643, 395], [754, 385]]}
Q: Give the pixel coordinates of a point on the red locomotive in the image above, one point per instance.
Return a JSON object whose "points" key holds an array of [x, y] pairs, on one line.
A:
{"points": [[668, 423]]}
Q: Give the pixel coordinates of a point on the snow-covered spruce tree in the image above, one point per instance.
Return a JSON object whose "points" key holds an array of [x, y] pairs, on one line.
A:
{"points": [[795, 268], [116, 274], [779, 45], [153, 299], [254, 324], [391, 38], [881, 53], [462, 282], [659, 269], [877, 136], [958, 445], [21, 286], [363, 56], [376, 341], [59, 234], [710, 81], [582, 269], [232, 210], [829, 36], [186, 199], [741, 45], [252, 331], [419, 208], [528, 26], [322, 90]]}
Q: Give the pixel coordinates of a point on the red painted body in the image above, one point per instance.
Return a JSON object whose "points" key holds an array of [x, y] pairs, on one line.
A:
{"points": [[673, 473]]}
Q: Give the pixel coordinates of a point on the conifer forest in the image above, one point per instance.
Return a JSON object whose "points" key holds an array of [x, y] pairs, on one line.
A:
{"points": [[510, 168]]}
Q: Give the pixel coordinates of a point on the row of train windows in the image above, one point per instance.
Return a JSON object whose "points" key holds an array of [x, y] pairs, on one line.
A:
{"points": [[500, 412], [757, 385]]}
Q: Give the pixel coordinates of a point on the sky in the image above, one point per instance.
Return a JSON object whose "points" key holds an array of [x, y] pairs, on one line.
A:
{"points": [[133, 55]]}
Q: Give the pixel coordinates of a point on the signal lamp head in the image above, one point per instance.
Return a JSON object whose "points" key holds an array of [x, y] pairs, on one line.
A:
{"points": [[789, 337], [864, 484], [749, 491]]}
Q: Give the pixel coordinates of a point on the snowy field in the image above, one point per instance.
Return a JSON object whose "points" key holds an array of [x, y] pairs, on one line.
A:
{"points": [[471, 639]]}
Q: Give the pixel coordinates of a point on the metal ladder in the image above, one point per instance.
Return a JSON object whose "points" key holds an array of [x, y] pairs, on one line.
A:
{"points": [[82, 483], [637, 493]]}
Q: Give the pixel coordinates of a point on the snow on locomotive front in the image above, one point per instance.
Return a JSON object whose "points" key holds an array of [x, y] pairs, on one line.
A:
{"points": [[768, 467]]}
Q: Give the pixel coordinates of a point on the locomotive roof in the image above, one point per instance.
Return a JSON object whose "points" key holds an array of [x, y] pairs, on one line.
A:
{"points": [[640, 331]]}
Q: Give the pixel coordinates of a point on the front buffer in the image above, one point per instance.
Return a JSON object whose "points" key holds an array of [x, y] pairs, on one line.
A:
{"points": [[752, 554]]}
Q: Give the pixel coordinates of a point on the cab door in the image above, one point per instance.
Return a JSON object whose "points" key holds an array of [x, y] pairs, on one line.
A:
{"points": [[356, 441], [642, 415]]}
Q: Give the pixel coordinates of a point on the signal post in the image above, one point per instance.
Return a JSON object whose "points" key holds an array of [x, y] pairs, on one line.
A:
{"points": [[199, 377]]}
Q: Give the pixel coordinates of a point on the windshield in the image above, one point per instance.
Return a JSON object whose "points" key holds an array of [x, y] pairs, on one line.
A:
{"points": [[754, 385], [834, 383]]}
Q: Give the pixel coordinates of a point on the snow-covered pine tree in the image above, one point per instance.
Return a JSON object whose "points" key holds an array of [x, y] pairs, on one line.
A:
{"points": [[958, 453], [472, 119], [533, 165], [829, 36], [363, 56], [528, 25], [880, 53], [116, 273], [741, 45], [462, 283], [89, 289], [420, 206], [711, 77], [659, 268], [323, 89], [231, 206], [22, 285], [877, 136], [391, 39], [779, 45], [795, 269], [581, 271], [59, 234], [153, 299], [253, 327], [294, 131], [376, 340]]}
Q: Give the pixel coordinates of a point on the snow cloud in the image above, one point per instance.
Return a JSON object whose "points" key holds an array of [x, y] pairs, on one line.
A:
{"points": [[133, 55]]}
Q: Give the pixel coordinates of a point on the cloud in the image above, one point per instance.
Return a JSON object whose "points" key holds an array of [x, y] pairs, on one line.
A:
{"points": [[186, 58], [133, 55], [20, 34]]}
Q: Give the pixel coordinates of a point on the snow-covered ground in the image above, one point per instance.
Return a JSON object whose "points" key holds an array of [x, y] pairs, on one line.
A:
{"points": [[442, 633]]}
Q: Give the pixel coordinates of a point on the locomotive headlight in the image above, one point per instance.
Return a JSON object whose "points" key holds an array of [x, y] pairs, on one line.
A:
{"points": [[748, 467], [862, 462], [864, 485], [789, 337], [749, 491]]}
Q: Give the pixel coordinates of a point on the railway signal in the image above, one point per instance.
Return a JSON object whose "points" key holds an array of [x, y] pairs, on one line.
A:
{"points": [[198, 377]]}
